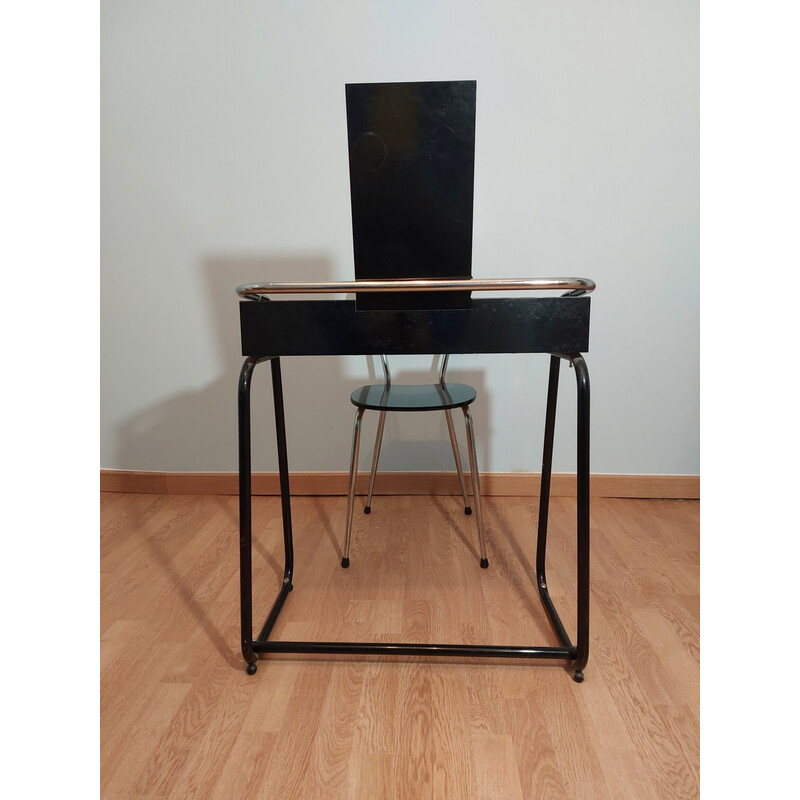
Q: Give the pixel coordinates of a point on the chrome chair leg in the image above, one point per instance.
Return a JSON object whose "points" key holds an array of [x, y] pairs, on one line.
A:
{"points": [[454, 445], [375, 457], [352, 491], [476, 484]]}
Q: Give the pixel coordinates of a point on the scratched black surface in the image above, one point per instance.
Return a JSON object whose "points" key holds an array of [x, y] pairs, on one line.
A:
{"points": [[336, 327]]}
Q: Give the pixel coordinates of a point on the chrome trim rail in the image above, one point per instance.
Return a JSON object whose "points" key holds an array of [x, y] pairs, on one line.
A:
{"points": [[254, 291]]}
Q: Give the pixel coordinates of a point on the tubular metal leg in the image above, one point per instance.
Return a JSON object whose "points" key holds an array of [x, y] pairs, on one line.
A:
{"points": [[547, 466], [544, 500], [283, 470], [454, 445], [476, 484], [245, 517], [375, 457], [246, 511], [352, 491], [582, 378]]}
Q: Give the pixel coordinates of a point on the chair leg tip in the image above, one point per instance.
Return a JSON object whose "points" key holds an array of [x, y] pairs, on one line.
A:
{"points": [[484, 563], [578, 677], [251, 669], [467, 510], [367, 509], [345, 562]]}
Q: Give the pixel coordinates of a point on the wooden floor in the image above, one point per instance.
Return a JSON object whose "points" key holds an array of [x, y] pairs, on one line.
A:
{"points": [[181, 719]]}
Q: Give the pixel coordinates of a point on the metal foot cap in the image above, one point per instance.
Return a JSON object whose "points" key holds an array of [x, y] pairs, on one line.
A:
{"points": [[467, 510], [345, 562], [484, 563], [251, 669]]}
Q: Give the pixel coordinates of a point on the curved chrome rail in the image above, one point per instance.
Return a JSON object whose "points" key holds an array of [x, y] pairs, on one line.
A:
{"points": [[576, 286]]}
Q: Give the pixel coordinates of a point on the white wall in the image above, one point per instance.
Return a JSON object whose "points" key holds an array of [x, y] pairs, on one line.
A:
{"points": [[224, 160]]}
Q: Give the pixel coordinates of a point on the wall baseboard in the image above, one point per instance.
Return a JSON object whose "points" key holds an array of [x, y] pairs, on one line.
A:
{"points": [[497, 484]]}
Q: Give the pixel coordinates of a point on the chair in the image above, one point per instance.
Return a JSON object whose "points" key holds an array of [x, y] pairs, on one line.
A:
{"points": [[412, 160], [441, 396]]}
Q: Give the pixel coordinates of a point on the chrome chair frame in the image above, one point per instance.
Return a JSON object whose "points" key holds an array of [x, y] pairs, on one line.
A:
{"points": [[473, 463]]}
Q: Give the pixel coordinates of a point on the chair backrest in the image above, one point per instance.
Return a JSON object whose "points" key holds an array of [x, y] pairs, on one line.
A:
{"points": [[412, 165], [387, 375]]}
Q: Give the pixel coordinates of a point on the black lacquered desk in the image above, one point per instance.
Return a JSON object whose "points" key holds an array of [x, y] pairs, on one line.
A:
{"points": [[558, 326]]}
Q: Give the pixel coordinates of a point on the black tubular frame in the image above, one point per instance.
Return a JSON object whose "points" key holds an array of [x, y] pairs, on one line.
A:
{"points": [[576, 655]]}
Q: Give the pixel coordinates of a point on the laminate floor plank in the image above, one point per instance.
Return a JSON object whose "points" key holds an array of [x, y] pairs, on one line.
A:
{"points": [[180, 718]]}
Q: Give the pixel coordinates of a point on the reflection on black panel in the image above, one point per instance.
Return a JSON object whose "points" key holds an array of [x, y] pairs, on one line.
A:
{"points": [[412, 164]]}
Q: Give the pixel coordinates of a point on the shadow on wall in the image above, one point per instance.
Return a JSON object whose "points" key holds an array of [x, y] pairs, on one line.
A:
{"points": [[198, 429]]}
